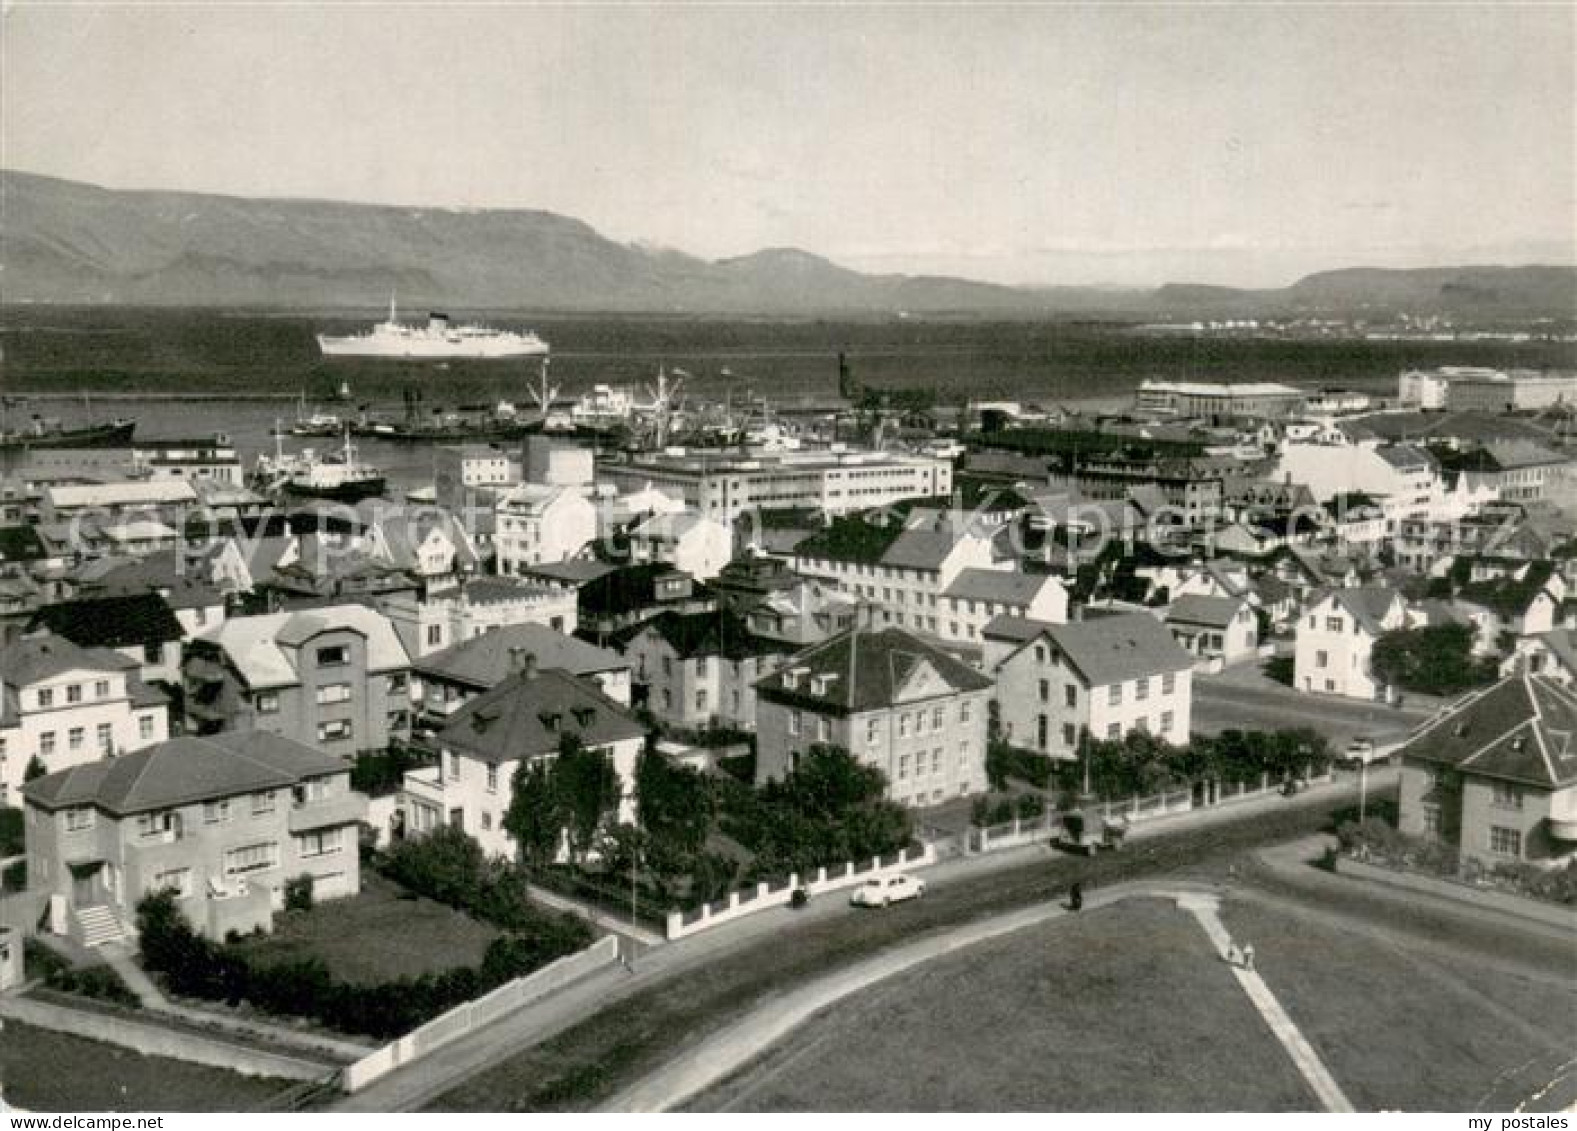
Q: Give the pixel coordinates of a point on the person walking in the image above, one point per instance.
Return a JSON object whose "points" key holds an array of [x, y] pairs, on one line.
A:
{"points": [[1076, 897], [1248, 956]]}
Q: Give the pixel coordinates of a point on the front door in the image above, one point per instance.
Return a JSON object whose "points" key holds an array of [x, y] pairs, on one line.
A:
{"points": [[457, 818], [86, 888]]}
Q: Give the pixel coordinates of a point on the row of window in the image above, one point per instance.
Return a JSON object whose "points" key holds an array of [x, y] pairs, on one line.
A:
{"points": [[104, 737], [74, 693], [933, 759]]}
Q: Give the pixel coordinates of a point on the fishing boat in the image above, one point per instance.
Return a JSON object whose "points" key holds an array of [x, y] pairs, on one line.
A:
{"points": [[332, 475]]}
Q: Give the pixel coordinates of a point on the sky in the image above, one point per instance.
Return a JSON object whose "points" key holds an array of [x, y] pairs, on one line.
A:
{"points": [[1033, 143]]}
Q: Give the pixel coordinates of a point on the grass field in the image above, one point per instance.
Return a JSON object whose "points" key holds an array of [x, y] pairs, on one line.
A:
{"points": [[381, 934], [1417, 1028], [46, 1071], [1123, 1009]]}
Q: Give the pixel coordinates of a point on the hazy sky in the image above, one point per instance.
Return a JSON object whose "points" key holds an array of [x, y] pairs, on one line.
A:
{"points": [[1058, 144]]}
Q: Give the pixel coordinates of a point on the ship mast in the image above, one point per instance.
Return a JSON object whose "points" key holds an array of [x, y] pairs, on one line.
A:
{"points": [[544, 394]]}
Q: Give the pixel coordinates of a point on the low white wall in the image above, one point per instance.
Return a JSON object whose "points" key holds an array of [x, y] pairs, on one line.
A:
{"points": [[748, 901], [472, 1015]]}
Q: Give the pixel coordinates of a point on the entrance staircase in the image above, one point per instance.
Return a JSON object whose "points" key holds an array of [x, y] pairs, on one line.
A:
{"points": [[99, 925]]}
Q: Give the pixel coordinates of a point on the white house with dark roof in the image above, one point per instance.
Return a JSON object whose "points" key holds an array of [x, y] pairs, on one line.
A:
{"points": [[1218, 630], [67, 705], [892, 700], [536, 524], [699, 545], [701, 668], [1106, 676], [224, 821], [523, 719], [448, 680], [1336, 633], [1552, 654], [978, 596], [1495, 775]]}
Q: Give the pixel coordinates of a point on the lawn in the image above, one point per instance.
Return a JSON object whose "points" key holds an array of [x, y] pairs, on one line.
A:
{"points": [[1417, 1028], [1123, 1009], [381, 934], [47, 1071]]}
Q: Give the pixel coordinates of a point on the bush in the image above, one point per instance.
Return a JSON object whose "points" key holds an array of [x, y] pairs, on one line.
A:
{"points": [[298, 893], [12, 841], [448, 866], [1281, 669], [1005, 761], [14, 878]]}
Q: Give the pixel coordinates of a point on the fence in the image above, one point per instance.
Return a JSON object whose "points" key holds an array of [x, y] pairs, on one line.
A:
{"points": [[763, 896], [473, 1015]]}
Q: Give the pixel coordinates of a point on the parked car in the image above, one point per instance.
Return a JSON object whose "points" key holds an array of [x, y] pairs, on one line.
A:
{"points": [[1358, 752], [887, 889]]}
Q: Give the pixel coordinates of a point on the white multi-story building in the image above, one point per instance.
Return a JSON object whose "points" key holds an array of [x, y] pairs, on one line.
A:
{"points": [[724, 486], [698, 545], [66, 706], [524, 719], [1106, 677], [891, 700], [478, 606], [1335, 640], [1403, 479], [537, 524]]}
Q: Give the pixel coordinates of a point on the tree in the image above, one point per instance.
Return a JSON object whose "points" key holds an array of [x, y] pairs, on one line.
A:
{"points": [[533, 817], [1433, 660], [675, 803], [585, 788]]}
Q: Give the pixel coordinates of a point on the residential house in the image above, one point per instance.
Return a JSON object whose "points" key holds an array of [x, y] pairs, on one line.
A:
{"points": [[427, 542], [1516, 599], [139, 625], [698, 545], [1495, 775], [65, 705], [624, 597], [1404, 480], [223, 821], [536, 523], [476, 606], [449, 679], [1551, 654], [978, 596], [700, 669], [525, 719], [888, 697], [1336, 634], [1219, 630], [336, 677], [1106, 677]]}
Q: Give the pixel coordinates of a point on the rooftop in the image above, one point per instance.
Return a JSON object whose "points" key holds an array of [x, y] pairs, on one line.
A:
{"points": [[529, 714], [1523, 729], [1212, 612], [485, 661], [120, 621], [864, 670], [254, 644]]}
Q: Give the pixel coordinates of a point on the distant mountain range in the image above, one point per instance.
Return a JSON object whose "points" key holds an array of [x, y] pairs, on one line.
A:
{"points": [[67, 242]]}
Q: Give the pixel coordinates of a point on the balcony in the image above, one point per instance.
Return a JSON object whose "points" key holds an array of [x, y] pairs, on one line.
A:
{"points": [[340, 809], [426, 786]]}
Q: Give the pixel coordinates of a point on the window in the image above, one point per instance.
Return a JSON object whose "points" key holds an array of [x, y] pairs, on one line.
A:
{"points": [[1333, 624], [78, 819], [336, 656], [1505, 842], [454, 766], [46, 743], [155, 824], [936, 760], [1069, 735], [492, 779], [1321, 659], [903, 725], [487, 821], [1114, 695], [1143, 725], [700, 700], [873, 731], [1045, 691], [1114, 731], [823, 729], [46, 698], [1431, 815], [74, 738], [1167, 722], [333, 693], [794, 721], [964, 710], [215, 812], [435, 634], [1168, 683], [1142, 689], [937, 719], [668, 665], [335, 730], [1506, 796], [1042, 723], [919, 722], [151, 653], [105, 734], [178, 880], [267, 702], [1040, 654], [903, 766], [252, 858], [145, 727], [74, 693], [399, 683]]}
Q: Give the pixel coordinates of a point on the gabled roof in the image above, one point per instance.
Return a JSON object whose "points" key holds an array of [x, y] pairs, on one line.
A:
{"points": [[718, 633], [528, 715], [1016, 629], [257, 646], [485, 661], [1406, 457], [1212, 612], [862, 670], [32, 659], [1120, 648], [1523, 729], [122, 621], [1368, 604], [183, 771], [1007, 587], [405, 529], [927, 539], [573, 572], [1562, 644]]}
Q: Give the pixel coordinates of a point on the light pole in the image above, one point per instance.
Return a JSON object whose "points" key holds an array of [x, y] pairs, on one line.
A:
{"points": [[1363, 787]]}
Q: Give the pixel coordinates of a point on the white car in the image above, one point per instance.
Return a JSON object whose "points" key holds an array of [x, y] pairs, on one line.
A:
{"points": [[887, 889]]}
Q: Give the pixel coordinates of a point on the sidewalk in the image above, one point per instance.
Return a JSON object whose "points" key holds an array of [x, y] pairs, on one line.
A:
{"points": [[613, 924]]}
